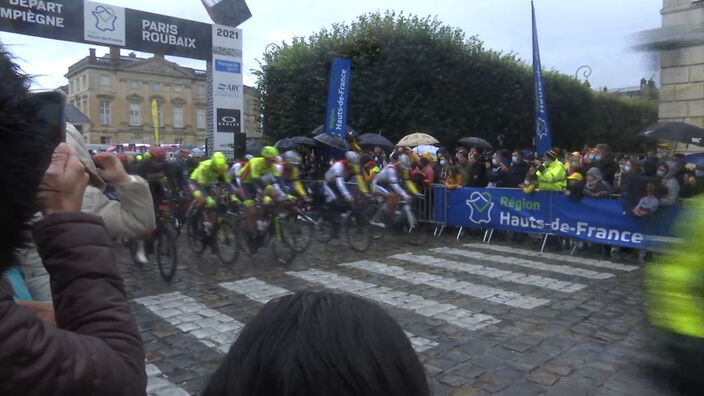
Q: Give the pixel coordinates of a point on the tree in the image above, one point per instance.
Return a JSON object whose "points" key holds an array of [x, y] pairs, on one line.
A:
{"points": [[416, 74]]}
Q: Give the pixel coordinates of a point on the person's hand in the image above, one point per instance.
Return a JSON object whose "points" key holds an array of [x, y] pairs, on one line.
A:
{"points": [[62, 187], [44, 312], [110, 168], [537, 163], [488, 165], [504, 168]]}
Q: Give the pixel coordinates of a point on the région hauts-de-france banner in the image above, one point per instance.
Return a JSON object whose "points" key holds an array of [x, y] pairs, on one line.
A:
{"points": [[543, 140], [339, 88]]}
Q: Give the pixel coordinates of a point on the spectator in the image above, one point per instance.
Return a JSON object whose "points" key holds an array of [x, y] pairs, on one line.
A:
{"points": [[454, 180], [320, 343], [442, 166], [694, 183], [596, 186], [551, 173], [498, 172], [96, 348], [463, 166], [477, 172], [530, 184], [605, 161], [423, 173], [633, 184], [575, 186], [672, 188], [648, 204], [574, 164], [518, 170]]}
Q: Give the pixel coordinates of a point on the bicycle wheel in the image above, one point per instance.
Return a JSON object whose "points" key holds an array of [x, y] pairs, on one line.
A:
{"points": [[357, 229], [166, 252], [322, 228], [302, 228], [282, 242], [195, 234], [227, 246]]}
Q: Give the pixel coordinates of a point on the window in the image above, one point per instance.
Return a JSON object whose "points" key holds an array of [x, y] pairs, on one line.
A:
{"points": [[78, 84], [84, 107], [160, 114], [178, 116], [104, 81], [134, 84], [84, 81], [178, 141], [200, 118], [105, 140], [104, 112], [156, 87], [71, 86], [178, 88], [201, 90], [135, 115]]}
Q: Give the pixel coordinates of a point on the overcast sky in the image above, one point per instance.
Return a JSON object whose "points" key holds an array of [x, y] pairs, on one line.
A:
{"points": [[572, 33]]}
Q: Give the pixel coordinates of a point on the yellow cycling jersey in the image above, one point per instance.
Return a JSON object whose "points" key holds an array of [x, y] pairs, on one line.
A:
{"points": [[256, 168], [206, 173]]}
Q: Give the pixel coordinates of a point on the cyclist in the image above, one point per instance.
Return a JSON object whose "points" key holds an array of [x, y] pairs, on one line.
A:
{"points": [[236, 168], [291, 176], [208, 172], [387, 183], [257, 178], [336, 192]]}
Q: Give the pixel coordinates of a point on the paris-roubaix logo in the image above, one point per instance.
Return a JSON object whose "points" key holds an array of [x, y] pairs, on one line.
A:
{"points": [[105, 18], [480, 207]]}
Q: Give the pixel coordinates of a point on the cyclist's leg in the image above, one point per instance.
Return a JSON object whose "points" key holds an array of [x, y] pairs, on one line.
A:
{"points": [[250, 210]]}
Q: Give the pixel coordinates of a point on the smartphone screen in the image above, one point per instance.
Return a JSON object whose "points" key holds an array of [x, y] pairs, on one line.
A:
{"points": [[50, 115]]}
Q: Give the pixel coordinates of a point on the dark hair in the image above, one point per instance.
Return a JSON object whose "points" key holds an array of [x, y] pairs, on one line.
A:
{"points": [[320, 343], [25, 163], [423, 162]]}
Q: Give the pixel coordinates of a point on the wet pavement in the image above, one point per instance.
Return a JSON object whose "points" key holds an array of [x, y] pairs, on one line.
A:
{"points": [[484, 319]]}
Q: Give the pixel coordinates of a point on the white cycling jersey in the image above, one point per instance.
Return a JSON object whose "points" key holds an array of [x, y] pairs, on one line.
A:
{"points": [[388, 177], [336, 176]]}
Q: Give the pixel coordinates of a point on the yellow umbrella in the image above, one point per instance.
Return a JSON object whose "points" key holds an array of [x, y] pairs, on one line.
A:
{"points": [[416, 139]]}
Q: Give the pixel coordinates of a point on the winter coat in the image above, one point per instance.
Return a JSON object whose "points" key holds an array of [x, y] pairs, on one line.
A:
{"points": [[96, 348], [552, 178]]}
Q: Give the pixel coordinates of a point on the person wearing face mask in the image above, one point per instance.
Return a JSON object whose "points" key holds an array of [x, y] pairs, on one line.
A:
{"points": [[442, 166], [498, 172], [551, 173], [605, 161], [518, 169], [672, 187]]}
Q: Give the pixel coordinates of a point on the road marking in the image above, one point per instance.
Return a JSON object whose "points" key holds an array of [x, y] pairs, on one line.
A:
{"points": [[490, 272], [561, 269], [262, 292], [158, 384], [398, 299], [209, 326], [481, 292], [554, 256]]}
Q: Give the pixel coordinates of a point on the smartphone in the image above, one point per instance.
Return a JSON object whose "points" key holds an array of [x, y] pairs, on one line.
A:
{"points": [[50, 115]]}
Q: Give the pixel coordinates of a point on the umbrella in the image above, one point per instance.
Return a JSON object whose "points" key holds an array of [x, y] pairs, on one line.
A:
{"points": [[475, 142], [304, 141], [677, 131], [286, 144], [696, 159], [373, 140], [424, 148], [75, 116], [321, 129], [254, 148], [416, 139], [333, 141]]}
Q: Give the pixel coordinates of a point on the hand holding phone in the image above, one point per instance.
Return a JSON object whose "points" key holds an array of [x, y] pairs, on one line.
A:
{"points": [[110, 168]]}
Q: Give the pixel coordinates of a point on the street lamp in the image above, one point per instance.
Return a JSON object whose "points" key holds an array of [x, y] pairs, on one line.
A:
{"points": [[271, 47], [227, 12], [586, 73]]}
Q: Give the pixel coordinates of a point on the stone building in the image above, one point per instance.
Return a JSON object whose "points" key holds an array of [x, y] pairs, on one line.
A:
{"points": [[681, 45], [116, 93]]}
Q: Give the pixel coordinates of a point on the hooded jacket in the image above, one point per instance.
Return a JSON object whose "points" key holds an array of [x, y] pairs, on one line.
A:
{"points": [[552, 178]]}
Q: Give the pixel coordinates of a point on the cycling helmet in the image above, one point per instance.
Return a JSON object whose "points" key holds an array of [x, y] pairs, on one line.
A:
{"points": [[158, 154], [270, 152], [352, 157], [292, 157], [405, 162], [147, 155], [219, 161], [248, 157], [138, 158]]}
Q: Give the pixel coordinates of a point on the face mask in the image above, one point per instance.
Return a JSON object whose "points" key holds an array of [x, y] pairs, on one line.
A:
{"points": [[575, 164], [442, 162], [626, 168], [699, 173], [526, 183], [494, 161], [514, 159], [597, 158], [660, 173]]}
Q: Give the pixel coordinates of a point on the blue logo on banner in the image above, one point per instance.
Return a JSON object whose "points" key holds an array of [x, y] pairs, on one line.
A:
{"points": [[228, 66], [480, 207], [336, 117]]}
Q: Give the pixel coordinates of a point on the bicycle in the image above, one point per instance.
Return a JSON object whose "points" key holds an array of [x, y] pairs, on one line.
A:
{"points": [[355, 222], [405, 221], [163, 239], [219, 236], [273, 225]]}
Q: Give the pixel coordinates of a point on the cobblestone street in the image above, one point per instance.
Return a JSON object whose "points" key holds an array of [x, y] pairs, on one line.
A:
{"points": [[484, 319]]}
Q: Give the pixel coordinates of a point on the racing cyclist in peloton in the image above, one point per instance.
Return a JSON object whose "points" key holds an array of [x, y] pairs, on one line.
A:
{"points": [[258, 178], [206, 173], [291, 176], [388, 184], [336, 192]]}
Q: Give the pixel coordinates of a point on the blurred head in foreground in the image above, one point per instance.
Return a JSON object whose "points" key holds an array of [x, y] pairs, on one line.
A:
{"points": [[320, 343]]}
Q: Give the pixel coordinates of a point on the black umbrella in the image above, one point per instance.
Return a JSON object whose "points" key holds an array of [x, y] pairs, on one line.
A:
{"points": [[304, 141], [696, 159], [254, 148], [321, 129], [333, 141], [475, 142], [373, 140], [75, 116], [286, 144], [677, 131]]}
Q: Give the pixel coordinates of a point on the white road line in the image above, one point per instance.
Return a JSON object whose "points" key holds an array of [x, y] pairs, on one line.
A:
{"points": [[209, 326], [490, 272], [158, 384], [398, 299], [561, 269], [554, 256], [262, 292], [481, 292]]}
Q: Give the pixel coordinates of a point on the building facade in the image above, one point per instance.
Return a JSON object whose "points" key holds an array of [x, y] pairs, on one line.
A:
{"points": [[681, 45], [116, 93]]}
